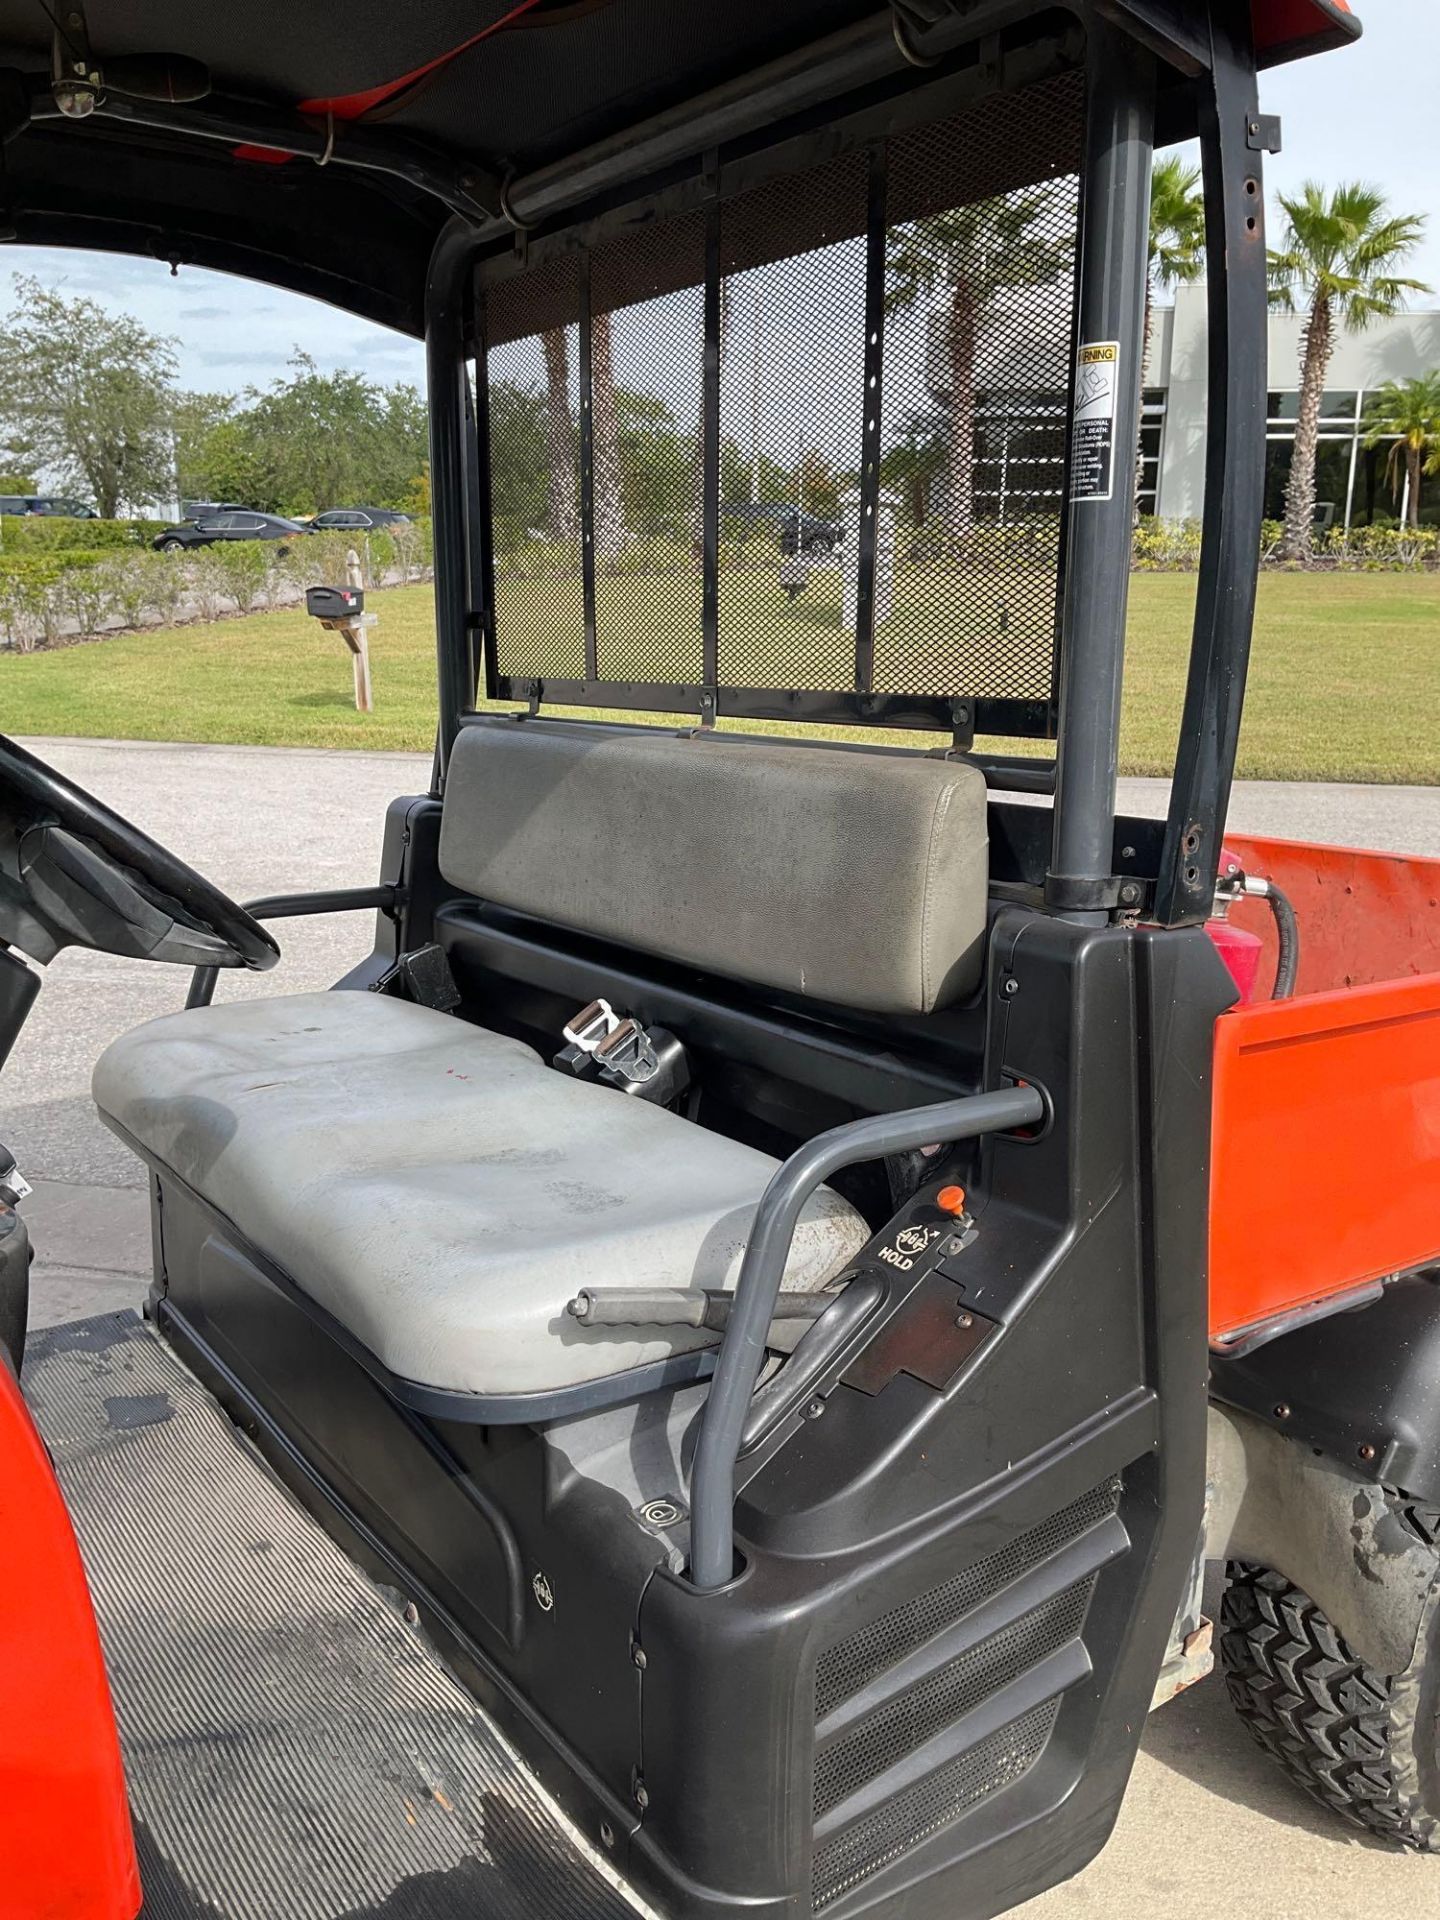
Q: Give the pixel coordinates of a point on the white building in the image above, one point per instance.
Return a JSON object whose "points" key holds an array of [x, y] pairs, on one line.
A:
{"points": [[1352, 481]]}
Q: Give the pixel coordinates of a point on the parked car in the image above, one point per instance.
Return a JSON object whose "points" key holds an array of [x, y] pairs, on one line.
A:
{"points": [[207, 509], [361, 519], [47, 506], [239, 525], [797, 532]]}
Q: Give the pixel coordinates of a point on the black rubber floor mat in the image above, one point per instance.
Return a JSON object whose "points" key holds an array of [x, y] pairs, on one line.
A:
{"points": [[294, 1749]]}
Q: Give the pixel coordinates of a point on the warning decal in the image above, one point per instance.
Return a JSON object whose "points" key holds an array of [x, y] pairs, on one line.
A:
{"points": [[1092, 445]]}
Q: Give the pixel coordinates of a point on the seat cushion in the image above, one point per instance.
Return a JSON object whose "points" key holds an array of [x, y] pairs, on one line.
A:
{"points": [[854, 878], [440, 1190]]}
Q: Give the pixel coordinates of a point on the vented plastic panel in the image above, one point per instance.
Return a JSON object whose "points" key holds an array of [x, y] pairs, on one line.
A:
{"points": [[911, 1718], [824, 476], [847, 1666], [931, 1804], [533, 376]]}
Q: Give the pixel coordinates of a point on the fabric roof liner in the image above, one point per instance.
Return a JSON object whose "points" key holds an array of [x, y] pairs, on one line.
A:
{"points": [[506, 85]]}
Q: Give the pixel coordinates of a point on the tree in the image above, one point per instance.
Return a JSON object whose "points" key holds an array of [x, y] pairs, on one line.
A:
{"points": [[961, 263], [914, 461], [1338, 259], [1407, 414], [1177, 244], [86, 396], [564, 517], [520, 483], [194, 420], [18, 483], [605, 425], [309, 441]]}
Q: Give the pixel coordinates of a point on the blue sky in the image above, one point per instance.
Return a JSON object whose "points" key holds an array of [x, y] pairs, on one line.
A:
{"points": [[1368, 112]]}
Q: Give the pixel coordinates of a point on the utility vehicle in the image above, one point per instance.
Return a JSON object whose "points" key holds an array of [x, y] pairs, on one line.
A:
{"points": [[683, 1380]]}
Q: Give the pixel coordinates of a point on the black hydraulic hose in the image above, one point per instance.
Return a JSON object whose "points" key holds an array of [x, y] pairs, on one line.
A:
{"points": [[727, 1407], [1287, 930]]}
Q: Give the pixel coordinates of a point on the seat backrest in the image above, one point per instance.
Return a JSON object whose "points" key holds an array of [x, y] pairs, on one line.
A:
{"points": [[854, 878]]}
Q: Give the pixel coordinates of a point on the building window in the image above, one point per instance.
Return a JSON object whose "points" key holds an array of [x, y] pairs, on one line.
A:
{"points": [[1334, 455], [1152, 442], [1283, 408]]}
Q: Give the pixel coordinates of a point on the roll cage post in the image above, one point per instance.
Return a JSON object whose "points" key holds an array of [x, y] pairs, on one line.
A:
{"points": [[1124, 37]]}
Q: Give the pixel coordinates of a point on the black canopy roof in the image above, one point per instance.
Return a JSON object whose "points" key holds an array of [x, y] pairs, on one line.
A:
{"points": [[454, 98]]}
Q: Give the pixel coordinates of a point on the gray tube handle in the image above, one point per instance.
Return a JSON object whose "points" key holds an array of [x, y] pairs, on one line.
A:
{"points": [[712, 1481]]}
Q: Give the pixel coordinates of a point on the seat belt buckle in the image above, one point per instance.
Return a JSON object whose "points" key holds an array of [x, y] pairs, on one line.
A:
{"points": [[628, 1051], [588, 1029], [618, 1052]]}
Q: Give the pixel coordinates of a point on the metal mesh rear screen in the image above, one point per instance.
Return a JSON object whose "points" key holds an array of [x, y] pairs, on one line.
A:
{"points": [[800, 452], [980, 299], [792, 399], [647, 359], [533, 374]]}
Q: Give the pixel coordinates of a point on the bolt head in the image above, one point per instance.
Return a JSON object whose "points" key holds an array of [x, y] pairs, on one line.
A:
{"points": [[815, 1408], [1367, 1452], [1282, 1410], [964, 1319]]}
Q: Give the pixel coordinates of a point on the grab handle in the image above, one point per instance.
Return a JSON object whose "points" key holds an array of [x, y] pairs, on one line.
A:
{"points": [[712, 1482]]}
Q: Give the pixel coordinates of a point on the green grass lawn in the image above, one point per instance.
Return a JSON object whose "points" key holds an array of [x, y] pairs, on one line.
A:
{"points": [[1344, 684]]}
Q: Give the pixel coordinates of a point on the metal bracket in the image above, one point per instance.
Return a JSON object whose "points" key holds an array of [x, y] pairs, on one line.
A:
{"points": [[1263, 133], [709, 706], [1070, 893]]}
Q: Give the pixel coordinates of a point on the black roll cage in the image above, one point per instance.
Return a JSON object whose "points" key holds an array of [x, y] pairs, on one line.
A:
{"points": [[1209, 87]]}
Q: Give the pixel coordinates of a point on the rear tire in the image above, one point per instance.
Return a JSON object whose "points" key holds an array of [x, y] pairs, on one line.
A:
{"points": [[1364, 1744], [172, 546]]}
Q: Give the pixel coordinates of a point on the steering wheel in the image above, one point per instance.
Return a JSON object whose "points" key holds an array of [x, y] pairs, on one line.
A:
{"points": [[73, 873]]}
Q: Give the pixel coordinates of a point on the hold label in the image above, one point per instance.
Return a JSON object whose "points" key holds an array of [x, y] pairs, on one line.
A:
{"points": [[1092, 442]]}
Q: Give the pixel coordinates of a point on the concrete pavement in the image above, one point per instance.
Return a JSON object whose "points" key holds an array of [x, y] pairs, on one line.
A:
{"points": [[1209, 1826]]}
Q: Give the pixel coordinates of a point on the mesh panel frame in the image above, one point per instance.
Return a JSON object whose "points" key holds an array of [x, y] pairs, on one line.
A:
{"points": [[822, 441], [532, 368], [647, 357], [792, 403]]}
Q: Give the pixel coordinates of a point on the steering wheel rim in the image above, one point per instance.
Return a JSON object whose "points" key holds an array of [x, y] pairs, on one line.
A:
{"points": [[81, 813]]}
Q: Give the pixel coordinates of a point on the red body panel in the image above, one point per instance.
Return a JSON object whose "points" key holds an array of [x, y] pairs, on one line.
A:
{"points": [[66, 1849], [1325, 1168]]}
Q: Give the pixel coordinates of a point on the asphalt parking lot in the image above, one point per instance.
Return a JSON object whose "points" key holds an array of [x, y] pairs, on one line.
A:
{"points": [[1209, 1826]]}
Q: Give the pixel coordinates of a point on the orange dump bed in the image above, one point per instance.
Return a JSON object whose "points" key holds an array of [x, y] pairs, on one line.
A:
{"points": [[1325, 1170]]}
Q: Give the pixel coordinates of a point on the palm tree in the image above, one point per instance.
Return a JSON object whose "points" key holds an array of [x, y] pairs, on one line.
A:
{"points": [[1177, 245], [609, 506], [1338, 257], [963, 261], [563, 518], [1407, 414]]}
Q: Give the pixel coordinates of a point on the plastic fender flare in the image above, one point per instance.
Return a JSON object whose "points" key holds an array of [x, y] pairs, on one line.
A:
{"points": [[1360, 1386], [1275, 1502]]}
